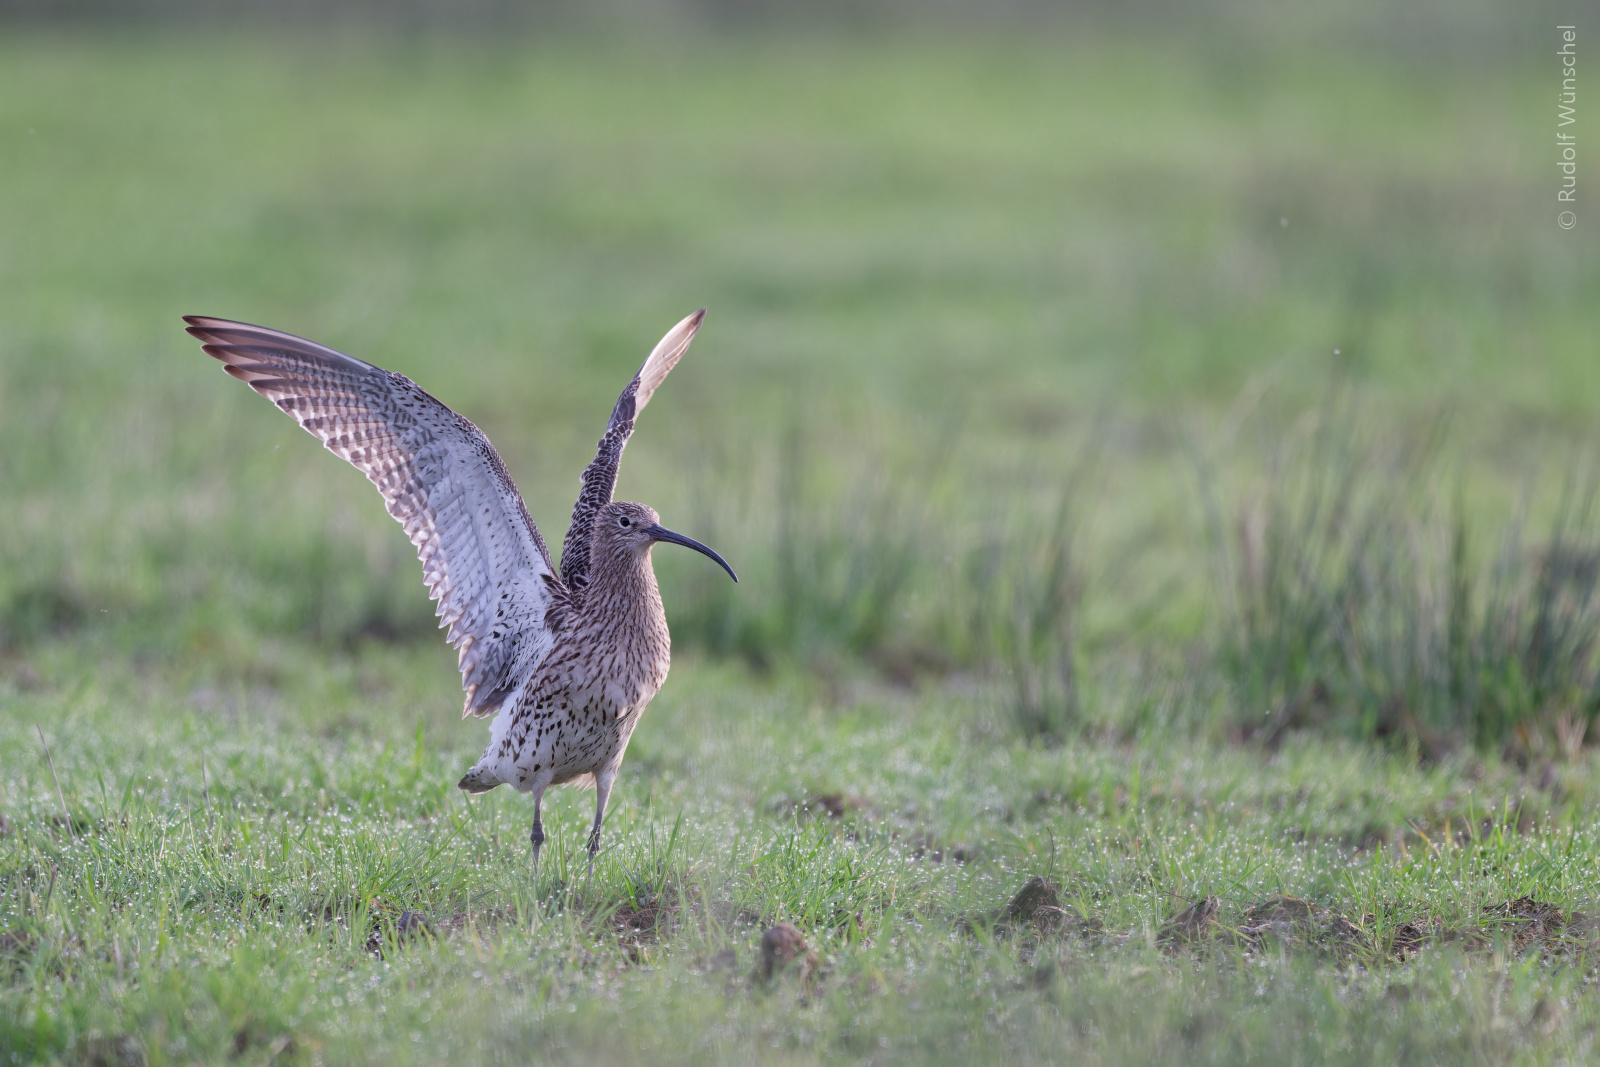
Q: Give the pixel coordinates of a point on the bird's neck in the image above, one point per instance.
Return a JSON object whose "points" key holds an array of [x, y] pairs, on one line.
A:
{"points": [[623, 593]]}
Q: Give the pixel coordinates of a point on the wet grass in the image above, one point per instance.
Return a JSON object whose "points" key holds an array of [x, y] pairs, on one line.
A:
{"points": [[302, 879]]}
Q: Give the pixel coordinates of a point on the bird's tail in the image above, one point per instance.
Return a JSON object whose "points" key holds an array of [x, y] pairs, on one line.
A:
{"points": [[478, 780]]}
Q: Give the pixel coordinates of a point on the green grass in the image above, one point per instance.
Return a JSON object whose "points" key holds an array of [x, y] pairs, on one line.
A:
{"points": [[234, 877], [1011, 411]]}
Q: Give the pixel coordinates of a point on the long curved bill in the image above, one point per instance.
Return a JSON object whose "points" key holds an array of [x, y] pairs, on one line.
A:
{"points": [[659, 532]]}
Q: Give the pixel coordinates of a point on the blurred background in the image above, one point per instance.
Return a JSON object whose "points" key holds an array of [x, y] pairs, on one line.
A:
{"points": [[1138, 363]]}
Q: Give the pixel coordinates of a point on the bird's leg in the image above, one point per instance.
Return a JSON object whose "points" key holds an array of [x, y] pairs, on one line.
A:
{"points": [[602, 790], [537, 836]]}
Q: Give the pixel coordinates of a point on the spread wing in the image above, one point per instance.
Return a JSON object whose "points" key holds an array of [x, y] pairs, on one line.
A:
{"points": [[482, 557], [600, 476]]}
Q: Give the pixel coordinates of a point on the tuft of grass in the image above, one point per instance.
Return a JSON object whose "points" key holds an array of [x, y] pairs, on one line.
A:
{"points": [[1025, 589], [1356, 603]]}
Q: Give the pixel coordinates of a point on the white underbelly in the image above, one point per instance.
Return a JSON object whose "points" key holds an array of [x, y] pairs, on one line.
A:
{"points": [[575, 733]]}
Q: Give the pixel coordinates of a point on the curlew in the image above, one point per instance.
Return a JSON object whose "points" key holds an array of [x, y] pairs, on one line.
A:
{"points": [[565, 661]]}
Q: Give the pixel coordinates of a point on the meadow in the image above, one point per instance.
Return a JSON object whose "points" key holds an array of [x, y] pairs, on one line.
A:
{"points": [[1159, 466]]}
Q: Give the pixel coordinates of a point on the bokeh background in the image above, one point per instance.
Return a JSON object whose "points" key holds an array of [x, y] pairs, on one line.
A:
{"points": [[1031, 326]]}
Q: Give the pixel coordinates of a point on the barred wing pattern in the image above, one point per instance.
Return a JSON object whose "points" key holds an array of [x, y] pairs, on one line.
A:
{"points": [[482, 557], [600, 476]]}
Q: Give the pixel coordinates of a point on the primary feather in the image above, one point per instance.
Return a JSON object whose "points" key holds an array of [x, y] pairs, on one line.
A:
{"points": [[599, 480], [482, 556]]}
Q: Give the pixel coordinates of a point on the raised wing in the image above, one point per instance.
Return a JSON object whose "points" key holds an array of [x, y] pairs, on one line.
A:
{"points": [[482, 557], [600, 476]]}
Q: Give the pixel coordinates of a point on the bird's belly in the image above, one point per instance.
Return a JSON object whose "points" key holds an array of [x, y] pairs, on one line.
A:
{"points": [[560, 736]]}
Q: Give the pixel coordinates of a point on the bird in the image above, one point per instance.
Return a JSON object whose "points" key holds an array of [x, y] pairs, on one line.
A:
{"points": [[565, 661]]}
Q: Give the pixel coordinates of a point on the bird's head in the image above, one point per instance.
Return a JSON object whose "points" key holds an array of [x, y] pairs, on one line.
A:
{"points": [[623, 528]]}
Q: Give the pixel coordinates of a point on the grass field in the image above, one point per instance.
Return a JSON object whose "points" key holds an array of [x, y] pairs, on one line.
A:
{"points": [[1159, 466]]}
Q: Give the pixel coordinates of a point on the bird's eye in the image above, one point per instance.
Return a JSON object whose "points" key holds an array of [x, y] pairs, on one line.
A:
{"points": [[624, 521]]}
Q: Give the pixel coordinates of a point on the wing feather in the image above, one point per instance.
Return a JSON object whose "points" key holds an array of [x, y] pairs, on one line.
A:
{"points": [[600, 476], [483, 558]]}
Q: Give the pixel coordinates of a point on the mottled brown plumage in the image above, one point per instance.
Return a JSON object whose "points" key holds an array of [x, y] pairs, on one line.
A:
{"points": [[565, 662]]}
